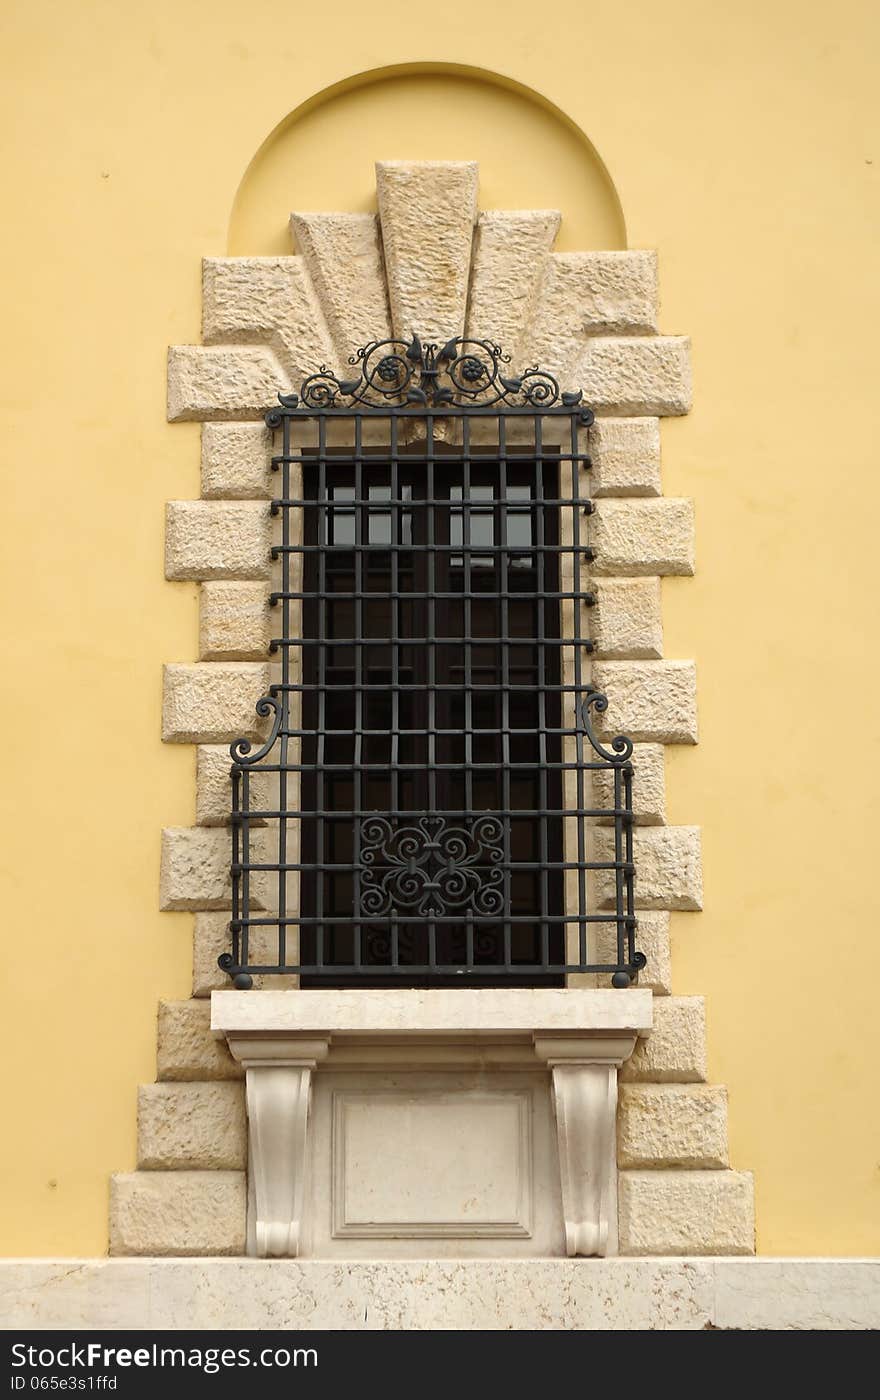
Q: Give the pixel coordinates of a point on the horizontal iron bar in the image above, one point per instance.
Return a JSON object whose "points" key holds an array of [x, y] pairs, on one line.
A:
{"points": [[379, 969]]}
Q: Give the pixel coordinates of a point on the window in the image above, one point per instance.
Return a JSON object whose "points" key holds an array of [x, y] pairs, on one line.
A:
{"points": [[431, 753]]}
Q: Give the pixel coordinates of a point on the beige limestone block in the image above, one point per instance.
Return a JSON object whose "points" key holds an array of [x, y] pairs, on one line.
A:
{"points": [[217, 539], [511, 248], [182, 1213], [648, 786], [267, 300], [633, 376], [236, 461], [651, 701], [222, 381], [643, 536], [590, 294], [652, 939], [195, 871], [211, 938], [669, 867], [675, 1050], [686, 1212], [672, 1125], [195, 868], [427, 211], [343, 254], [213, 702], [214, 787], [187, 1050], [235, 621], [626, 620], [625, 454], [192, 1127]]}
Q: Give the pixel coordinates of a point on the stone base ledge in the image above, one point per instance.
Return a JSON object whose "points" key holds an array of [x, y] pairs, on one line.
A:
{"points": [[397, 1295]]}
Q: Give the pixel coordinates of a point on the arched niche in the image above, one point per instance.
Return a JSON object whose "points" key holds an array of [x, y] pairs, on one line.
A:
{"points": [[322, 156]]}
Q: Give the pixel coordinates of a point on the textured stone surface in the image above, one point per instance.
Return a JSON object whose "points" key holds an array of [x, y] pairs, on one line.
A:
{"points": [[635, 376], [669, 867], [343, 253], [672, 1125], [235, 621], [213, 702], [195, 868], [652, 939], [217, 539], [797, 1294], [648, 785], [643, 536], [221, 381], [648, 700], [427, 211], [268, 300], [211, 938], [236, 461], [554, 1294], [675, 1051], [589, 294], [198, 1127], [183, 1213], [511, 249], [686, 1212], [626, 457], [626, 620], [214, 787], [186, 1048]]}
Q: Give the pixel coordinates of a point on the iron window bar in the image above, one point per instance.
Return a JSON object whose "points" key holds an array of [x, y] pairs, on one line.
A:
{"points": [[423, 808]]}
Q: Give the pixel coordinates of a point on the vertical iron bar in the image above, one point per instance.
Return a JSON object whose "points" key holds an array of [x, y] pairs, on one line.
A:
{"points": [[360, 675], [285, 697], [540, 682], [322, 535], [576, 699], [504, 579]]}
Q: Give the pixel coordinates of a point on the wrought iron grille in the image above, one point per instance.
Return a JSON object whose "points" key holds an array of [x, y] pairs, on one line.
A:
{"points": [[424, 809]]}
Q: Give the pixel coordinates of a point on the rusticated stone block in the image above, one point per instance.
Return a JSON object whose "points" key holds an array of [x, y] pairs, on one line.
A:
{"points": [[178, 1213], [669, 867], [652, 939], [343, 253], [213, 702], [186, 1048], [511, 249], [672, 1125], [594, 294], [192, 1127], [675, 1050], [195, 870], [626, 620], [236, 461], [217, 539], [648, 700], [214, 787], [211, 938], [686, 1212], [266, 299], [427, 211], [222, 381], [632, 376], [235, 621], [625, 453], [648, 786], [643, 536]]}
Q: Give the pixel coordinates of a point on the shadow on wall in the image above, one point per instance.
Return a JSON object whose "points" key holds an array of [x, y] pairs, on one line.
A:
{"points": [[322, 156]]}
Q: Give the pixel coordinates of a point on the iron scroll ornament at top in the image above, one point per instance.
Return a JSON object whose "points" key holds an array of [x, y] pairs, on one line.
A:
{"points": [[462, 373]]}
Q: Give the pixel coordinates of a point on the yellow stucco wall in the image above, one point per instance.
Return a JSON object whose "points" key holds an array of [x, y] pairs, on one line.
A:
{"points": [[743, 144]]}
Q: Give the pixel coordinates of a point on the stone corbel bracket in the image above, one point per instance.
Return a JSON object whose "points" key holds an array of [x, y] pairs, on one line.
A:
{"points": [[280, 1038]]}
